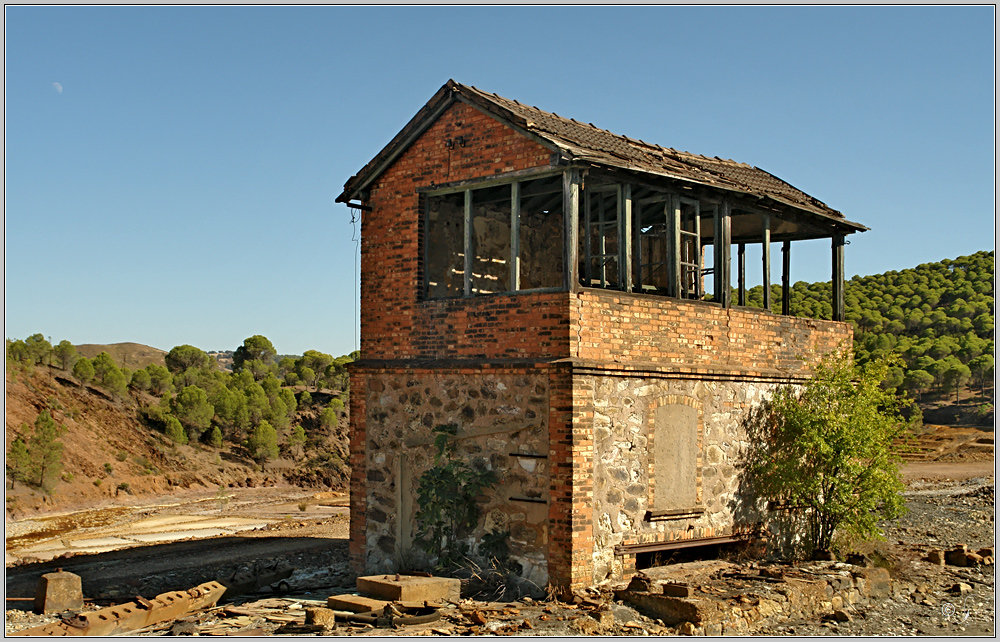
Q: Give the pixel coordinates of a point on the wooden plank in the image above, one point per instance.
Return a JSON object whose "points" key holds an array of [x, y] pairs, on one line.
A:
{"points": [[766, 258], [673, 212], [786, 286], [489, 181], [468, 242], [624, 208], [721, 254], [838, 277], [571, 223], [515, 236]]}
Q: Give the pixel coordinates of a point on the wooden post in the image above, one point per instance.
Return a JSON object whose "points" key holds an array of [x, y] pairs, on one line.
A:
{"points": [[766, 257], [741, 278], [786, 286], [468, 242], [625, 237], [571, 223], [515, 236], [673, 212], [838, 277], [721, 251]]}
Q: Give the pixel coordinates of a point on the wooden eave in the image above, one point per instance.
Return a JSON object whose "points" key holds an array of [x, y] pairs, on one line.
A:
{"points": [[702, 175]]}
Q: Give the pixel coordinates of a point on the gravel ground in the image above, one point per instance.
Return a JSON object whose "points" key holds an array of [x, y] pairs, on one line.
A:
{"points": [[942, 514]]}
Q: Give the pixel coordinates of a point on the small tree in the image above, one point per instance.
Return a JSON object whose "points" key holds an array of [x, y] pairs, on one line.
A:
{"points": [[45, 451], [447, 496], [191, 407], [83, 369], [297, 439], [140, 380], [19, 461], [829, 447], [264, 442], [175, 431], [159, 379], [65, 352]]}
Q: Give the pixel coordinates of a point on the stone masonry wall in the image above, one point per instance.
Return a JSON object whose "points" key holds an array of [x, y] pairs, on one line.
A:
{"points": [[499, 415], [623, 461]]}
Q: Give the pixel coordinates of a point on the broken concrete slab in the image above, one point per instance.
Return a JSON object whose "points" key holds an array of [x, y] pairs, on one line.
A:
{"points": [[410, 588], [58, 592]]}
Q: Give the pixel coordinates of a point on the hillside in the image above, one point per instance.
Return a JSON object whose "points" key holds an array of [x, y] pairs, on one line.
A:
{"points": [[938, 317], [110, 452], [126, 355]]}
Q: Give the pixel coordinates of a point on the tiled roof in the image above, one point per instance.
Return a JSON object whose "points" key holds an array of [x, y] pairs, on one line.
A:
{"points": [[585, 142]]}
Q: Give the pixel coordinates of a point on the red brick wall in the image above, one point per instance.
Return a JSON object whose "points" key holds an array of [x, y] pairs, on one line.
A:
{"points": [[394, 323], [356, 447], [646, 329]]}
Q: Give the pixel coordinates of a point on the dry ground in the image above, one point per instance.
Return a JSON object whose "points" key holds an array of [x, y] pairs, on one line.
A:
{"points": [[951, 501]]}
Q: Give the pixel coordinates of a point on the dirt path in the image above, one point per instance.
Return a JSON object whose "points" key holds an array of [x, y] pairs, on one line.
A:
{"points": [[941, 470]]}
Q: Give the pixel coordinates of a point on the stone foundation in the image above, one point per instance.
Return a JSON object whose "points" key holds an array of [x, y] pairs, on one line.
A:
{"points": [[502, 421], [697, 496]]}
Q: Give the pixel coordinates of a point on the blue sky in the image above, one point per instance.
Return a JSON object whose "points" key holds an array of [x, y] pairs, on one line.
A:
{"points": [[171, 172]]}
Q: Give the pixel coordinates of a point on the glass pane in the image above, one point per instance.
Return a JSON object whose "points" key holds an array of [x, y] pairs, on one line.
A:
{"points": [[491, 240], [541, 233], [445, 242]]}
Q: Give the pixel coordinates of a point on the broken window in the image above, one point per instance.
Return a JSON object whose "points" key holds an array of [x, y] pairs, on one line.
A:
{"points": [[675, 457], [445, 255], [491, 240], [540, 234], [653, 238], [510, 248], [692, 278], [599, 237]]}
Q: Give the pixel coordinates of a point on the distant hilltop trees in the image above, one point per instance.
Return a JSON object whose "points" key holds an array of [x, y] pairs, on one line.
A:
{"points": [[261, 405]]}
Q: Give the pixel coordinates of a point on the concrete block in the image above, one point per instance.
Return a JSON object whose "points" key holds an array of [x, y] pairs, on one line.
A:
{"points": [[354, 603], [936, 556], [956, 557], [676, 589], [58, 592], [410, 588]]}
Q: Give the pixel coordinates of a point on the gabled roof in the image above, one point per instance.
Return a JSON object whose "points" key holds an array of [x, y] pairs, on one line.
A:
{"points": [[585, 143]]}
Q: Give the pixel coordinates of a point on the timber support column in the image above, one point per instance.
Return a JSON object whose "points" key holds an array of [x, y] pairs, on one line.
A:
{"points": [[838, 277], [359, 487], [571, 497]]}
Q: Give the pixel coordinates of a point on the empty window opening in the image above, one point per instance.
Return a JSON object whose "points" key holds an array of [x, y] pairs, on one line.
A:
{"points": [[491, 240], [540, 234], [445, 255], [653, 240], [600, 222]]}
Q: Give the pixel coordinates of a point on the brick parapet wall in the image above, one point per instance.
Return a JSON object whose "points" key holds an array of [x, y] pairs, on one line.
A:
{"points": [[395, 323], [701, 337]]}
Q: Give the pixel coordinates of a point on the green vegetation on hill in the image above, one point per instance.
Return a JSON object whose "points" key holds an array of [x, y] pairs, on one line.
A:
{"points": [[190, 399], [937, 316]]}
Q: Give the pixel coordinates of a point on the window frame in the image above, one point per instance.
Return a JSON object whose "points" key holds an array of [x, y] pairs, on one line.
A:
{"points": [[514, 183]]}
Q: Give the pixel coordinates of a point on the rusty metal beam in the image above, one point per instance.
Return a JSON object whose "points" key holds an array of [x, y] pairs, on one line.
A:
{"points": [[632, 549], [130, 616]]}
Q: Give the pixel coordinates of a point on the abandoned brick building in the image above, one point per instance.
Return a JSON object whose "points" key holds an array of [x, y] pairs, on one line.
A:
{"points": [[542, 283]]}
